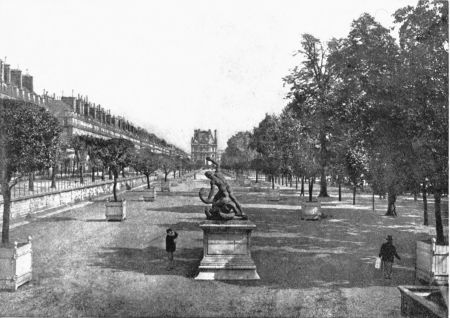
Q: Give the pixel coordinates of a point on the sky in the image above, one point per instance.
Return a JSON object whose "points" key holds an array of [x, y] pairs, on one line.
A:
{"points": [[174, 66]]}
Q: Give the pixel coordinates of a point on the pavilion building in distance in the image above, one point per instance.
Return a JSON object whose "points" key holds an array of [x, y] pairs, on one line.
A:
{"points": [[203, 144]]}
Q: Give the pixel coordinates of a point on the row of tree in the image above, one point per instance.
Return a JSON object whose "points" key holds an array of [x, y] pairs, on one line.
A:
{"points": [[364, 108], [30, 141]]}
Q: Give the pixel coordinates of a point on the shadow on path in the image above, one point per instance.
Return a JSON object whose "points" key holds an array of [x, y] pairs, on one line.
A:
{"points": [[150, 261]]}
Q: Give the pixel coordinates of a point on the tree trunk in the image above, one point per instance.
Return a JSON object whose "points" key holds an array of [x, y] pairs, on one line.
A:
{"points": [[354, 194], [296, 183], [339, 191], [256, 176], [54, 172], [93, 174], [273, 183], [311, 185], [392, 197], [103, 174], [373, 200], [110, 174], [148, 180], [31, 181], [165, 176], [80, 168], [290, 179], [302, 188], [115, 186], [174, 174], [123, 173], [425, 204], [73, 169], [323, 183], [440, 239], [6, 191]]}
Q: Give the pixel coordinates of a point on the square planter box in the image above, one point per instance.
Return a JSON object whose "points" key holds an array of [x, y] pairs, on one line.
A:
{"points": [[150, 194], [273, 195], [165, 186], [116, 211], [432, 262], [310, 210], [15, 265]]}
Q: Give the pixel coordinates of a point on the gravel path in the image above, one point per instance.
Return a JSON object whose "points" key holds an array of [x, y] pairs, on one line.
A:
{"points": [[85, 266]]}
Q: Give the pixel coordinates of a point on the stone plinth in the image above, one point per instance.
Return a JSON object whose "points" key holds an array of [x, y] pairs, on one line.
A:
{"points": [[226, 251]]}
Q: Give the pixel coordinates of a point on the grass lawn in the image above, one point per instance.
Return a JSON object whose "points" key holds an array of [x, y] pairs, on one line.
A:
{"points": [[85, 266]]}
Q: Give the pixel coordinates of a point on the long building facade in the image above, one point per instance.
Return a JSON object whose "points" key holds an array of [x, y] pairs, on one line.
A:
{"points": [[79, 116], [203, 144]]}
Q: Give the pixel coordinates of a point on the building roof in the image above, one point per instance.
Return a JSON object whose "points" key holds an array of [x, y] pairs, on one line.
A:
{"points": [[203, 137]]}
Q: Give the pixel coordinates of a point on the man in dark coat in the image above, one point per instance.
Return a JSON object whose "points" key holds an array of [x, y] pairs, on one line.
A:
{"points": [[171, 246], [387, 253]]}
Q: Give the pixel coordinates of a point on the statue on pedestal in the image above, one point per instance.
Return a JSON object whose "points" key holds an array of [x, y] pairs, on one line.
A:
{"points": [[225, 206]]}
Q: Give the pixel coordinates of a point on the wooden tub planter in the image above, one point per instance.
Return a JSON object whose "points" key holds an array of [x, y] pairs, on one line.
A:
{"points": [[116, 211], [15, 265], [310, 210], [424, 301], [165, 186], [273, 195], [432, 262], [150, 195]]}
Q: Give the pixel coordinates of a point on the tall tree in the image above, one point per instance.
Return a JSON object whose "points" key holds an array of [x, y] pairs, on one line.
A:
{"points": [[167, 164], [238, 155], [266, 140], [366, 65], [29, 136], [311, 90], [423, 37], [146, 162], [116, 154]]}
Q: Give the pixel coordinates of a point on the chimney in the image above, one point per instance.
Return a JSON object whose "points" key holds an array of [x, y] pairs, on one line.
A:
{"points": [[27, 81], [7, 74], [215, 136], [2, 71], [16, 78]]}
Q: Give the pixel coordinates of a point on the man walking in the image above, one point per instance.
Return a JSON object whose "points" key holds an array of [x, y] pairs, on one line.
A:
{"points": [[387, 253]]}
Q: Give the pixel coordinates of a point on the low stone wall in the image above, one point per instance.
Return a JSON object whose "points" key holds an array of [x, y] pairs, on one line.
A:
{"points": [[34, 204]]}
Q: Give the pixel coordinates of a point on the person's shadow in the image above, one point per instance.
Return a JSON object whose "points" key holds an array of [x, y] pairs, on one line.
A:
{"points": [[150, 260]]}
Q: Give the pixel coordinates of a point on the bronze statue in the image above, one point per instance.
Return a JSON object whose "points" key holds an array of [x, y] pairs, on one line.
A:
{"points": [[225, 206]]}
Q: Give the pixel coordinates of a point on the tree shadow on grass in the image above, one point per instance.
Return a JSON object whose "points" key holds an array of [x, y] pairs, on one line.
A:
{"points": [[183, 226], [181, 209], [56, 219], [95, 220], [150, 261]]}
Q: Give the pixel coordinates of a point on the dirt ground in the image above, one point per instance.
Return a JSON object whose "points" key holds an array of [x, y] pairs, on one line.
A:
{"points": [[85, 266]]}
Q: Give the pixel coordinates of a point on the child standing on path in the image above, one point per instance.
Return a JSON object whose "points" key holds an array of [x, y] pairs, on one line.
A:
{"points": [[171, 246]]}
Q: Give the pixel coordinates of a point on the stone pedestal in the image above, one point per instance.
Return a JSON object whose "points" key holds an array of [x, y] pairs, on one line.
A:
{"points": [[226, 251]]}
